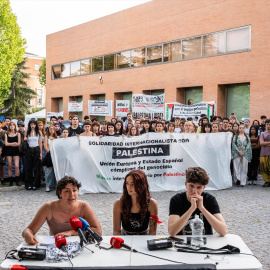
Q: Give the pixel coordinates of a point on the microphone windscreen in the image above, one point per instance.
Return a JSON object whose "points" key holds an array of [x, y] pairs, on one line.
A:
{"points": [[116, 242], [60, 240], [85, 224], [75, 223]]}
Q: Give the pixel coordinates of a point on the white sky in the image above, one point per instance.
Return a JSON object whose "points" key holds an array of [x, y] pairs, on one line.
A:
{"points": [[38, 18]]}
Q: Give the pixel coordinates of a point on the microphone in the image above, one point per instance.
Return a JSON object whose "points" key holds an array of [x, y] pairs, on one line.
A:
{"points": [[86, 227], [118, 242], [76, 225], [61, 242]]}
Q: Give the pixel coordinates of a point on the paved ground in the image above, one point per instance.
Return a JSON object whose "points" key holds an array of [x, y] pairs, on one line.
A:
{"points": [[244, 209]]}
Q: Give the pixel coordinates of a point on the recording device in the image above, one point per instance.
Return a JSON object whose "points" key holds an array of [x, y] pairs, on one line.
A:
{"points": [[38, 254], [189, 240], [61, 242], [86, 228], [118, 242], [76, 225], [160, 243]]}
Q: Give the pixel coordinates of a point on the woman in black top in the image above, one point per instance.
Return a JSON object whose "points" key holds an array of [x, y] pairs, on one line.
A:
{"points": [[12, 143], [136, 211]]}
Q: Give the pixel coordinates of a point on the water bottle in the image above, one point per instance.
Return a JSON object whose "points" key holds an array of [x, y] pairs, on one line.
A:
{"points": [[197, 228]]}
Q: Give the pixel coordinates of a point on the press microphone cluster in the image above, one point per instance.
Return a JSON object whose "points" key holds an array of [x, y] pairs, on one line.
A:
{"points": [[86, 228], [76, 225]]}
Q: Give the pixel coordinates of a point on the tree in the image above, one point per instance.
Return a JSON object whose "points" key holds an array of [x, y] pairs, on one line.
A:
{"points": [[42, 73], [11, 47], [19, 93]]}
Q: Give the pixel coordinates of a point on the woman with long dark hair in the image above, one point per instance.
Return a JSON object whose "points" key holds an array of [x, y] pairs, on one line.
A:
{"points": [[12, 142], [256, 149], [33, 156], [136, 212], [207, 128], [119, 127]]}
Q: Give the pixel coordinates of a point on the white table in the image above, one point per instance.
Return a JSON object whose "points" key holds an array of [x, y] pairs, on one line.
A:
{"points": [[122, 257]]}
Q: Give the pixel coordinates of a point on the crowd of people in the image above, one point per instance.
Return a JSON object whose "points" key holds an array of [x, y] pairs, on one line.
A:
{"points": [[28, 149]]}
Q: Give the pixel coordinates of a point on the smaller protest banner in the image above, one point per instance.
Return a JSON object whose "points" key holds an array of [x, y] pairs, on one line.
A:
{"points": [[100, 107], [121, 108], [148, 106], [175, 109], [74, 106], [49, 114]]}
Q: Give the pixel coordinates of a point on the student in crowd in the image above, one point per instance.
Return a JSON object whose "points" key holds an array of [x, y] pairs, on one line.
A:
{"points": [[142, 124], [220, 126], [233, 119], [225, 127], [182, 126], [128, 120], [262, 125], [146, 127], [219, 119], [138, 124], [160, 127], [133, 132], [22, 131], [111, 130], [57, 129], [230, 126], [87, 128], [119, 127], [202, 121], [241, 156], [57, 213], [64, 133], [12, 143], [50, 179], [96, 128], [247, 126], [129, 126], [207, 128], [104, 128], [257, 124], [70, 120], [7, 122], [194, 201], [60, 120], [75, 129], [235, 128], [2, 157], [171, 128], [135, 212], [153, 125], [215, 127], [33, 156], [53, 120], [255, 161], [188, 127], [177, 122], [113, 120], [86, 118], [265, 154]]}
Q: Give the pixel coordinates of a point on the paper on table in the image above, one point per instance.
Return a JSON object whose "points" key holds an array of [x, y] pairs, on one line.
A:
{"points": [[47, 240]]}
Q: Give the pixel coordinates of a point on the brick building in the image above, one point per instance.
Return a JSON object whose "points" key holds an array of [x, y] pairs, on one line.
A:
{"points": [[33, 64], [188, 49]]}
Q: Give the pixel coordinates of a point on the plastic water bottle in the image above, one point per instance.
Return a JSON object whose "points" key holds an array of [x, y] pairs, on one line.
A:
{"points": [[197, 228]]}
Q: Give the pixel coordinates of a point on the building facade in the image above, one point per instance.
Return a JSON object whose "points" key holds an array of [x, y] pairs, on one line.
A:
{"points": [[33, 64], [191, 50]]}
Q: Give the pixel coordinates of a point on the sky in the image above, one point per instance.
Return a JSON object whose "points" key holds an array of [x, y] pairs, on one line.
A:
{"points": [[38, 18]]}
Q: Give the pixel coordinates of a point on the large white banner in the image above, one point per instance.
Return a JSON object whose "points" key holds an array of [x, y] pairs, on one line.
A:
{"points": [[100, 164], [74, 106], [121, 108], [175, 109], [100, 107], [148, 106]]}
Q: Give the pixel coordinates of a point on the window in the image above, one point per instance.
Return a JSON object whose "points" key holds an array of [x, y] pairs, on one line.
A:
{"points": [[172, 51], [191, 48], [36, 66], [128, 96], [238, 39], [138, 57], [154, 54], [75, 68], [86, 66], [97, 64], [109, 62], [39, 97], [214, 44], [65, 70], [123, 59], [193, 95], [237, 100]]}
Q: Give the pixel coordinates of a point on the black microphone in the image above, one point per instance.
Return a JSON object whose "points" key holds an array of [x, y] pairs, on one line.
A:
{"points": [[86, 227], [76, 225]]}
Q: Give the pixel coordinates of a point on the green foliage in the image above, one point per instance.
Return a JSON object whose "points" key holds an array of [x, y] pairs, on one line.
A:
{"points": [[19, 93], [11, 47], [42, 73]]}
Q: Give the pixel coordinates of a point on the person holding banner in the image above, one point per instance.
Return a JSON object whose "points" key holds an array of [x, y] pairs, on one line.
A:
{"points": [[87, 128], [96, 128], [136, 212], [188, 127], [75, 129], [146, 127], [111, 130], [133, 132], [119, 127], [194, 201]]}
